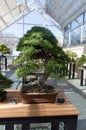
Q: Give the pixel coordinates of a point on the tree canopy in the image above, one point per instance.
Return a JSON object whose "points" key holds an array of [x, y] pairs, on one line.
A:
{"points": [[39, 49]]}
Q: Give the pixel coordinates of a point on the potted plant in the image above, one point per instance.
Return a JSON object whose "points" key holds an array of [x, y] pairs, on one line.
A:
{"points": [[72, 55], [72, 64], [3, 50], [82, 61], [40, 51], [4, 84]]}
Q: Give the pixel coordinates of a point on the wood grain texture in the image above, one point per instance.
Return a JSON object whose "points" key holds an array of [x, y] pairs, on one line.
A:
{"points": [[8, 109]]}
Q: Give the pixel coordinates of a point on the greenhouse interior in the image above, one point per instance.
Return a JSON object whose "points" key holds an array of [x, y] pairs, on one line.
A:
{"points": [[43, 42]]}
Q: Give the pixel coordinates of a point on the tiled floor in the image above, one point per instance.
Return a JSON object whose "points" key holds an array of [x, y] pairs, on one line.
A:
{"points": [[77, 95]]}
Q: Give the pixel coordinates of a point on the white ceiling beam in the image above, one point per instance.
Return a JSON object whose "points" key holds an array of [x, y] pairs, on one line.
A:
{"points": [[24, 3], [3, 21]]}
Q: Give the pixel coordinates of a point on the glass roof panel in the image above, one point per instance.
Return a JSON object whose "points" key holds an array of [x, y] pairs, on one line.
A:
{"points": [[3, 8], [62, 11], [70, 9], [15, 30]]}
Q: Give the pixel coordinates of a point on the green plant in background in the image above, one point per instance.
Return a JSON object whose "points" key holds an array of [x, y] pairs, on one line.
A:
{"points": [[4, 83], [72, 55], [40, 51], [4, 49], [82, 60]]}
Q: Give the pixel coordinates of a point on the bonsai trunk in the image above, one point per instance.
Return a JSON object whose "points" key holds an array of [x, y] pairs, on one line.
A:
{"points": [[43, 79]]}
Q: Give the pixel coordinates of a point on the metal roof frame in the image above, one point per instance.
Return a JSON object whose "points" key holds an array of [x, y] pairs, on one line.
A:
{"points": [[59, 13]]}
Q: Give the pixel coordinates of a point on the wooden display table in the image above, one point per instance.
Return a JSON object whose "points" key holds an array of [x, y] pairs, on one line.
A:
{"points": [[17, 113]]}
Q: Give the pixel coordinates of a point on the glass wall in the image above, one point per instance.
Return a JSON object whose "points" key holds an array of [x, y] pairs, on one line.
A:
{"points": [[84, 33], [76, 36], [75, 32], [66, 39]]}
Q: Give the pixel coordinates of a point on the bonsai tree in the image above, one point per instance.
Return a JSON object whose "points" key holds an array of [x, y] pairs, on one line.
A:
{"points": [[82, 60], [40, 51], [4, 49], [4, 84], [72, 55]]}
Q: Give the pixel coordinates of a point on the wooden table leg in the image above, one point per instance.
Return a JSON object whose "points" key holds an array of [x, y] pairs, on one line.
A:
{"points": [[81, 78]]}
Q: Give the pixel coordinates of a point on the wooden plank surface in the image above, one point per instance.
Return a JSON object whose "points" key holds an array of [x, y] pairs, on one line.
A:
{"points": [[9, 109]]}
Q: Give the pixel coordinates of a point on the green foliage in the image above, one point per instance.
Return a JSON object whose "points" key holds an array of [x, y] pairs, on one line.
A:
{"points": [[4, 82], [82, 60], [4, 49], [35, 36], [39, 49], [71, 54]]}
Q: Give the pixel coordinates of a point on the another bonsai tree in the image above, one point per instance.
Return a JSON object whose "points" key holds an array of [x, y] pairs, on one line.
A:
{"points": [[4, 83], [40, 51], [82, 60], [4, 49], [72, 55]]}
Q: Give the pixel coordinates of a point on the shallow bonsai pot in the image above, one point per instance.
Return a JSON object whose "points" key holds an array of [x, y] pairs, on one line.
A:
{"points": [[38, 97], [3, 96]]}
